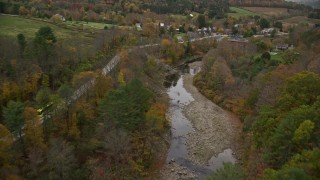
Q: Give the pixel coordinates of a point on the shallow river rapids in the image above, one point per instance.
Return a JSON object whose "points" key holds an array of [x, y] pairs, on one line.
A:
{"points": [[181, 127]]}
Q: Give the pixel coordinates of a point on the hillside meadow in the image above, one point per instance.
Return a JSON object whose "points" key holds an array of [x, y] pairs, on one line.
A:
{"points": [[11, 26], [268, 11], [239, 12]]}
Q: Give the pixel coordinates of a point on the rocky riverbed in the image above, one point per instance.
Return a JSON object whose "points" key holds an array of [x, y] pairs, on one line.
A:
{"points": [[210, 141]]}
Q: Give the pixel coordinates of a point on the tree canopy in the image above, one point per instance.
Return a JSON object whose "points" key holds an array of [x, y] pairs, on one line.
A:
{"points": [[288, 132], [264, 23], [126, 106], [13, 116]]}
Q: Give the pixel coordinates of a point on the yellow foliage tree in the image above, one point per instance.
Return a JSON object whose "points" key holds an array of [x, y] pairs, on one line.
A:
{"points": [[172, 51], [45, 80], [56, 18], [102, 86], [156, 117], [150, 30], [121, 79], [83, 77], [6, 141], [87, 109], [74, 132], [23, 11], [5, 90], [9, 90], [166, 43], [31, 83], [33, 129]]}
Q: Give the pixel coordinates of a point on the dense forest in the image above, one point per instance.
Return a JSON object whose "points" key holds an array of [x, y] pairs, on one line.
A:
{"points": [[66, 114], [276, 98], [115, 129], [46, 133], [109, 11]]}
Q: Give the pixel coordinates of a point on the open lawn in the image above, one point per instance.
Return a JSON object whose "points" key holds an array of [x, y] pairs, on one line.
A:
{"points": [[275, 56], [178, 16], [185, 17], [268, 11], [11, 26], [89, 24], [239, 12]]}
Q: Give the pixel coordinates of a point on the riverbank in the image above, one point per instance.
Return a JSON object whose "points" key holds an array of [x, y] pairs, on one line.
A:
{"points": [[215, 129], [213, 137]]}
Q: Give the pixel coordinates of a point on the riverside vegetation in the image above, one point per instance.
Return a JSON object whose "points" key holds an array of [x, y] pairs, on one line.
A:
{"points": [[118, 129]]}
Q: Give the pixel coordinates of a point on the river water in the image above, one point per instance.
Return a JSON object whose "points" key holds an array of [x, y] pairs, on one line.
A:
{"points": [[182, 126]]}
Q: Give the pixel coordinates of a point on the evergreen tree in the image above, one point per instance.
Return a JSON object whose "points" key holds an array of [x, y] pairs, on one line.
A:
{"points": [[22, 43], [126, 106]]}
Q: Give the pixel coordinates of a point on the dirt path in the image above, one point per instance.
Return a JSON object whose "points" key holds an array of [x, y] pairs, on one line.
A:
{"points": [[214, 131]]}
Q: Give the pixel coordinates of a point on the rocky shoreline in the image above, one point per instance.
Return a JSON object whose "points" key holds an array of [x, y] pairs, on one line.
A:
{"points": [[214, 131]]}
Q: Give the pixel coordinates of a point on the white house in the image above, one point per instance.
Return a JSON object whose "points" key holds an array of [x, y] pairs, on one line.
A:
{"points": [[267, 30], [282, 47], [138, 26], [180, 39]]}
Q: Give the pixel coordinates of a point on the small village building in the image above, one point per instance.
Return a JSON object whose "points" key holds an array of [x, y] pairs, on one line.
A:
{"points": [[238, 25], [192, 35], [291, 47], [138, 26], [267, 30], [282, 47], [180, 39], [227, 31], [282, 34]]}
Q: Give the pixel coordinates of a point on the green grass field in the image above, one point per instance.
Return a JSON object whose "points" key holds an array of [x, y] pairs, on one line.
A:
{"points": [[178, 16], [276, 57], [241, 13], [11, 26], [89, 24]]}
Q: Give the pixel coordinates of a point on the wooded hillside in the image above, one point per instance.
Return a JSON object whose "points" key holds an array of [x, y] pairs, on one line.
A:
{"points": [[276, 97]]}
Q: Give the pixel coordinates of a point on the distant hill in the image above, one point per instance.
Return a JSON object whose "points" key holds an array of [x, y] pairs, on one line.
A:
{"points": [[312, 3], [269, 3], [93, 9]]}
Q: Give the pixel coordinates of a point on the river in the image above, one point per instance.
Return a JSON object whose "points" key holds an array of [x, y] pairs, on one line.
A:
{"points": [[184, 159]]}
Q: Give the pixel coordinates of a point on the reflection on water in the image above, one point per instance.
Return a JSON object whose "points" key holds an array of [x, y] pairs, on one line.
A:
{"points": [[179, 95], [181, 126], [217, 162]]}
